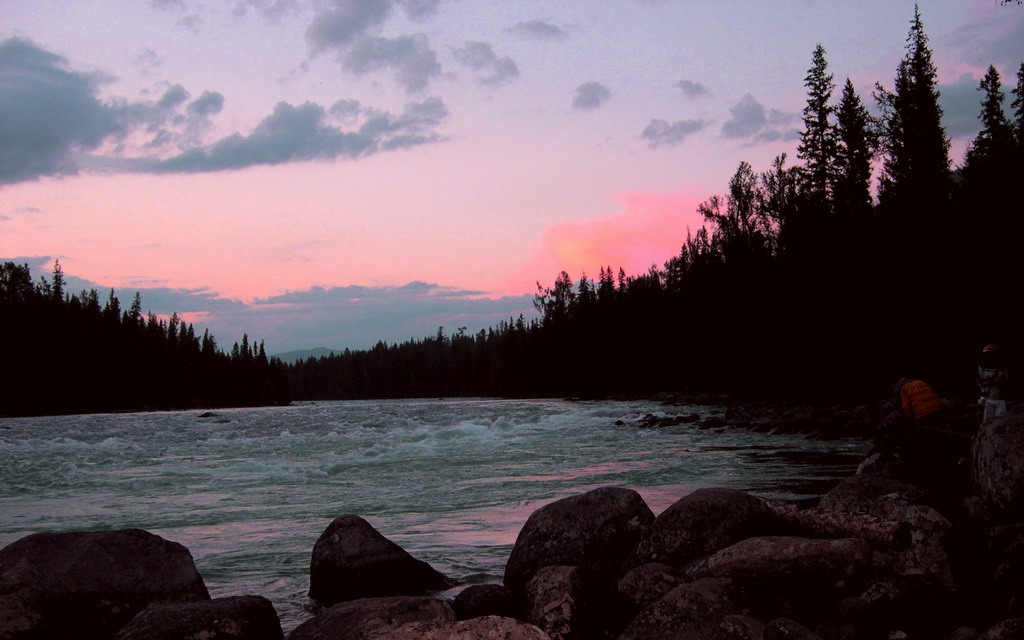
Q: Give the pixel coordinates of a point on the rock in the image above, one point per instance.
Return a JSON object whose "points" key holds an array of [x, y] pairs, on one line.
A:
{"points": [[368, 618], [555, 602], [739, 627], [997, 466], [353, 560], [920, 539], [485, 628], [1006, 549], [793, 577], [786, 629], [784, 558], [693, 611], [701, 523], [595, 531], [89, 584], [484, 600], [849, 619], [963, 633], [1010, 629], [930, 457], [235, 618], [858, 493], [921, 605], [648, 583]]}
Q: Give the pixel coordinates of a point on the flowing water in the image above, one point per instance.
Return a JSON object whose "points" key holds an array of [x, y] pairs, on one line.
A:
{"points": [[248, 491]]}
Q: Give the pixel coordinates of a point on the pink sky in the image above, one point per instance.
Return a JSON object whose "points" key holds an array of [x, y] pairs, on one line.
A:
{"points": [[220, 156]]}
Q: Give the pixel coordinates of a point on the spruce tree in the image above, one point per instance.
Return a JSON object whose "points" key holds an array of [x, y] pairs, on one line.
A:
{"points": [[916, 178], [1018, 112], [817, 146], [993, 146], [854, 151]]}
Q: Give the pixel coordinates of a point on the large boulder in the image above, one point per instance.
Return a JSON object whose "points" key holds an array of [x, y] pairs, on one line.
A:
{"points": [[485, 628], [694, 611], [780, 559], [353, 560], [701, 523], [648, 583], [480, 600], [595, 531], [367, 618], [858, 494], [89, 584], [997, 464], [234, 618], [794, 577], [555, 602]]}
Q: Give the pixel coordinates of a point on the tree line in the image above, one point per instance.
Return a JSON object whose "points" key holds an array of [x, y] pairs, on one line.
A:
{"points": [[69, 353], [870, 258]]}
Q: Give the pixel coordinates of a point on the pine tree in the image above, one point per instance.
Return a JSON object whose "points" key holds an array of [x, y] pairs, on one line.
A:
{"points": [[57, 282], [1018, 112], [854, 150], [990, 154], [817, 146], [916, 179]]}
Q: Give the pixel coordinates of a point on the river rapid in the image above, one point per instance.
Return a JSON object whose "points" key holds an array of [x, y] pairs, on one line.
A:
{"points": [[249, 491]]}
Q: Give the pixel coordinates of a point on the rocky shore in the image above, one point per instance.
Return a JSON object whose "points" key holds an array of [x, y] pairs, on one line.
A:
{"points": [[925, 541]]}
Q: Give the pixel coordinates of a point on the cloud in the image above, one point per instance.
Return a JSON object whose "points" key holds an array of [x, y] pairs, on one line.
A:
{"points": [[997, 40], [357, 317], [750, 120], [209, 104], [411, 58], [420, 9], [51, 120], [538, 30], [660, 132], [489, 68], [693, 89], [272, 10], [47, 113], [591, 95], [344, 22], [302, 133], [147, 60]]}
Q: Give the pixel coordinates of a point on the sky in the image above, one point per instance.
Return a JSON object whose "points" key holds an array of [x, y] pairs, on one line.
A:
{"points": [[337, 172]]}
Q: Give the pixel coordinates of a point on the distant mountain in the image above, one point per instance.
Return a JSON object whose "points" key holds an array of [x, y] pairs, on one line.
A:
{"points": [[291, 357]]}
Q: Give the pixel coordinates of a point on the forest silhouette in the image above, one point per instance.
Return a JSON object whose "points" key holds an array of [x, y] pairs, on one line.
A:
{"points": [[868, 259], [67, 353]]}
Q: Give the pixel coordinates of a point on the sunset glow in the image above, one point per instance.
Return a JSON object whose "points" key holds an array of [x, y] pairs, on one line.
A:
{"points": [[221, 157]]}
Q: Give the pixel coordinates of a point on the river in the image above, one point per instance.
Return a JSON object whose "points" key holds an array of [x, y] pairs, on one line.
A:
{"points": [[248, 491]]}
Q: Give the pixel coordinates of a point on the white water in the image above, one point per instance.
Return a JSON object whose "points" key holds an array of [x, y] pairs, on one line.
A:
{"points": [[248, 491]]}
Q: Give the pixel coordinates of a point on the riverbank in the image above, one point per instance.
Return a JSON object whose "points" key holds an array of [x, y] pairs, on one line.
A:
{"points": [[926, 526]]}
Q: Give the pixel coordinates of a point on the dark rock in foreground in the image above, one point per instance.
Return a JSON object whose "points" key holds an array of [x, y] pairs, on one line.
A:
{"points": [[595, 531], [367, 618], [485, 600], [86, 585], [353, 560], [701, 523], [999, 476], [485, 628], [235, 618]]}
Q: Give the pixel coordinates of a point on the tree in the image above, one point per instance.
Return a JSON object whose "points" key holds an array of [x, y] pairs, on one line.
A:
{"points": [[817, 146], [992, 148], [916, 170], [1018, 111], [57, 282], [856, 140]]}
